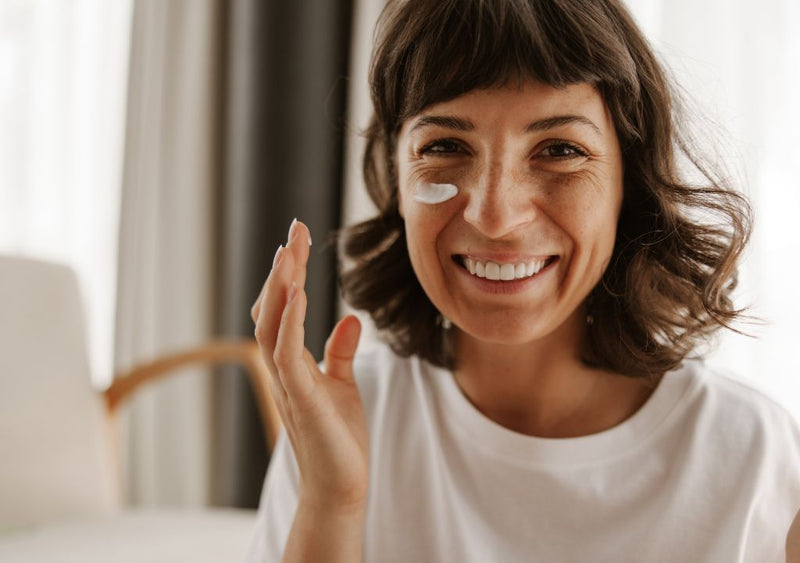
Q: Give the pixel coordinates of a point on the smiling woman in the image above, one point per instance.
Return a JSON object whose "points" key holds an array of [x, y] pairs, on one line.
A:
{"points": [[543, 286], [685, 269]]}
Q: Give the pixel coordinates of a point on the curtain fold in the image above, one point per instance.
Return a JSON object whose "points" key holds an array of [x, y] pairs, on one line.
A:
{"points": [[167, 229], [284, 102]]}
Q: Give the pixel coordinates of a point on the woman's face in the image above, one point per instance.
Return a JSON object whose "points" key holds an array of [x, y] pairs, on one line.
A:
{"points": [[539, 178]]}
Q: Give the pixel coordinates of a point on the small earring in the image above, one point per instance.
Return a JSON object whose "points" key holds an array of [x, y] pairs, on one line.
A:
{"points": [[444, 322], [589, 320]]}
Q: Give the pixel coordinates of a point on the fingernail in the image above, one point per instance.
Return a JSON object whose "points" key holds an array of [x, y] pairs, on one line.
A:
{"points": [[278, 256], [292, 292], [292, 226]]}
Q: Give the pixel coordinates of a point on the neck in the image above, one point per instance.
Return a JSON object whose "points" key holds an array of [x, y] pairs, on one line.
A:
{"points": [[542, 388]]}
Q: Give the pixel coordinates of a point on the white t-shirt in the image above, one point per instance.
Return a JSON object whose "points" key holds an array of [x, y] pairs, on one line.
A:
{"points": [[707, 470]]}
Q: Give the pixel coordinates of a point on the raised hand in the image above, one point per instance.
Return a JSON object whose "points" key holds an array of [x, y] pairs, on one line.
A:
{"points": [[321, 411]]}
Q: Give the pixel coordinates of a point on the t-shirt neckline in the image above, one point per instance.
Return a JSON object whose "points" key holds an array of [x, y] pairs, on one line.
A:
{"points": [[502, 443]]}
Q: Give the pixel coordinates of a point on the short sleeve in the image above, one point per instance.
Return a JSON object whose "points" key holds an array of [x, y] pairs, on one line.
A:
{"points": [[277, 506]]}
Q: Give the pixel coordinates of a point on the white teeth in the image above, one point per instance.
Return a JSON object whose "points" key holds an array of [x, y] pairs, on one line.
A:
{"points": [[505, 272]]}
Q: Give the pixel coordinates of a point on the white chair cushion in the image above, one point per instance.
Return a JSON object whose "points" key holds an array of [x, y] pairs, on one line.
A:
{"points": [[154, 536], [54, 433]]}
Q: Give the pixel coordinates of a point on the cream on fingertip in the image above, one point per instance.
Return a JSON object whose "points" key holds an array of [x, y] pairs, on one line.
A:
{"points": [[434, 193]]}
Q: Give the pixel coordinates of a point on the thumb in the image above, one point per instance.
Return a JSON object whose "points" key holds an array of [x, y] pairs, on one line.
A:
{"points": [[341, 348]]}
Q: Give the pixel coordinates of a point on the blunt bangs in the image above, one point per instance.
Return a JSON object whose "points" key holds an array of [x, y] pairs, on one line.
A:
{"points": [[441, 50]]}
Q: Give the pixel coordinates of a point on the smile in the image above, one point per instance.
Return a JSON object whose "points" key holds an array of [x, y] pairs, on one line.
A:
{"points": [[504, 272]]}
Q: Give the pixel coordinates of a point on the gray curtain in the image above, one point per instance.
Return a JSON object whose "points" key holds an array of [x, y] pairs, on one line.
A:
{"points": [[283, 106]]}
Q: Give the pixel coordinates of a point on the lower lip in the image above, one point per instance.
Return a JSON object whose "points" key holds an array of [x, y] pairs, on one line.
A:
{"points": [[510, 287]]}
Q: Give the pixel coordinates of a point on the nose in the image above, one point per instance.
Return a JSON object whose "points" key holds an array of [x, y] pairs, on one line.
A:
{"points": [[499, 204]]}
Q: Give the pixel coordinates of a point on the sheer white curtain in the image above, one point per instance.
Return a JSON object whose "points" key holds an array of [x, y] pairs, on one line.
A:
{"points": [[63, 74], [165, 297], [740, 63]]}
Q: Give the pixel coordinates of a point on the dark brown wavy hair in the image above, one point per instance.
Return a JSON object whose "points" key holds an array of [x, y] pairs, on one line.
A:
{"points": [[668, 285]]}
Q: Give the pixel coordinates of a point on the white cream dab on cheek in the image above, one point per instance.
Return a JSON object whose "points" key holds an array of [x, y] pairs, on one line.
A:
{"points": [[435, 193]]}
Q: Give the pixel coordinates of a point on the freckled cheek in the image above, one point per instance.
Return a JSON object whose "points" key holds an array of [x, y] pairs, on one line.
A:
{"points": [[590, 218], [425, 261], [426, 228]]}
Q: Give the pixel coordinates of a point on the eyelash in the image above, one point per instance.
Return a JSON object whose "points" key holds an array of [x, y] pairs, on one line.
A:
{"points": [[429, 148], [577, 151], [453, 147]]}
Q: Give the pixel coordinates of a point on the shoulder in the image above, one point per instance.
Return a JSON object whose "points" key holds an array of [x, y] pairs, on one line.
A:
{"points": [[730, 394], [747, 444], [738, 414]]}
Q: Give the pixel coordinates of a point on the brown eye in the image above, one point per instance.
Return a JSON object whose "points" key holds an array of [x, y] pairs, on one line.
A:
{"points": [[563, 150], [441, 147]]}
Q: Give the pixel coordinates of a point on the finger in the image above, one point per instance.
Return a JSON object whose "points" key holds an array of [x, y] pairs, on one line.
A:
{"points": [[279, 396], [256, 308], [289, 267], [340, 349], [299, 244], [300, 239], [272, 307], [289, 356]]}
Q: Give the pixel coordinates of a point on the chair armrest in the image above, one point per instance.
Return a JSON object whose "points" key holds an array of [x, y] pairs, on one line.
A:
{"points": [[244, 352]]}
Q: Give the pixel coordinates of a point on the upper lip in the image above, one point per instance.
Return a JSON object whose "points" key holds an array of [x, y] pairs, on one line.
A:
{"points": [[505, 257]]}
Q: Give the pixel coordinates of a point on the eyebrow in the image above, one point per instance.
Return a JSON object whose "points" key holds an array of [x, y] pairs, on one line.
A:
{"points": [[447, 122], [461, 124], [558, 121]]}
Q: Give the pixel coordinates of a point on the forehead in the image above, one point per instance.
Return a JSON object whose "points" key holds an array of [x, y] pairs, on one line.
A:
{"points": [[518, 104]]}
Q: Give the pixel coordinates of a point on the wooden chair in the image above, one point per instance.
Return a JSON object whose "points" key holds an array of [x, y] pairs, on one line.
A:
{"points": [[57, 433], [242, 352]]}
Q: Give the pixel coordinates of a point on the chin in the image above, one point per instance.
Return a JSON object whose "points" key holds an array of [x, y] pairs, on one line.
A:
{"points": [[507, 334], [516, 330]]}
